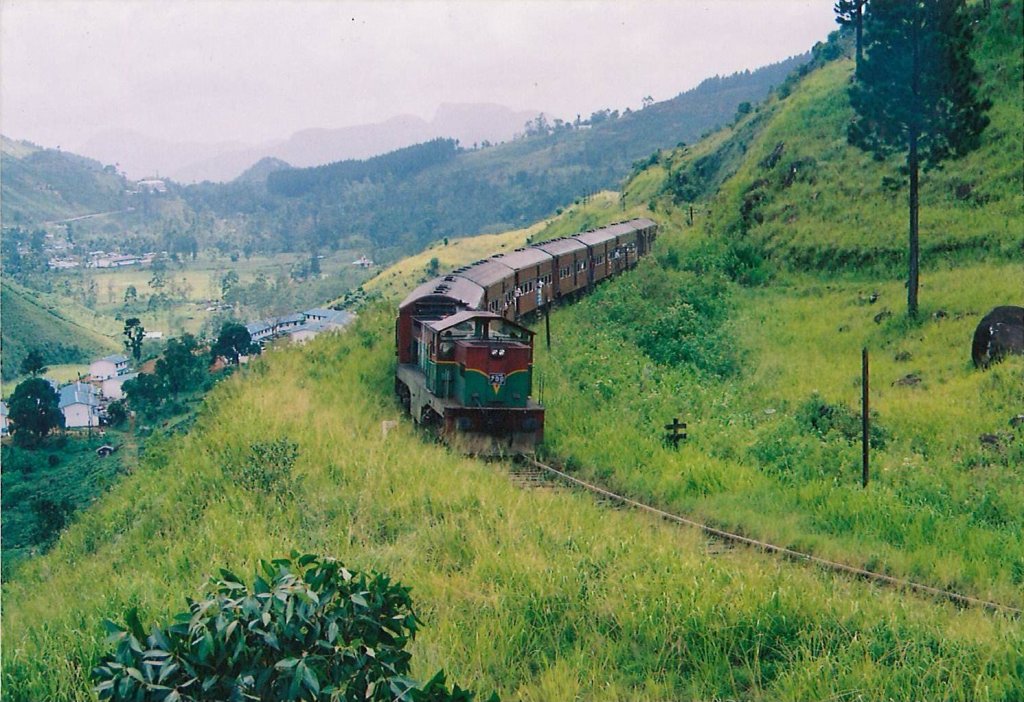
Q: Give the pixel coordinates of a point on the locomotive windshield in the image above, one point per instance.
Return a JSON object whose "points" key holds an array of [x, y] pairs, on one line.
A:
{"points": [[501, 330]]}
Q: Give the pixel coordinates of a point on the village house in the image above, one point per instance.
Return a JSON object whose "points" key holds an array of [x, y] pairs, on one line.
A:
{"points": [[258, 331], [284, 324], [109, 367], [329, 321], [80, 405], [151, 185], [112, 388], [5, 422]]}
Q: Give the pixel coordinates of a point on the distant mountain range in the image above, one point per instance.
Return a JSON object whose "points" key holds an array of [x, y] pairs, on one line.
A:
{"points": [[387, 203], [141, 156]]}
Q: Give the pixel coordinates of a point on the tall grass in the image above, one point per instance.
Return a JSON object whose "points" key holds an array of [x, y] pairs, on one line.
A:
{"points": [[540, 594], [944, 505]]}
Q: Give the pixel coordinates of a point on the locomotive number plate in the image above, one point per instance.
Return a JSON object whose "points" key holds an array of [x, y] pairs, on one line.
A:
{"points": [[497, 379]]}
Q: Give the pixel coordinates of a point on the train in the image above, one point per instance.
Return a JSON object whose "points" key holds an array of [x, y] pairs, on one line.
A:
{"points": [[464, 355]]}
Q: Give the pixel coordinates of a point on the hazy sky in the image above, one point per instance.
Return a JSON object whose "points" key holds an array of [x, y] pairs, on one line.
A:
{"points": [[257, 70]]}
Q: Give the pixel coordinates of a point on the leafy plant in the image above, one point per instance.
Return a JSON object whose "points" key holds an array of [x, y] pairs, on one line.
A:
{"points": [[233, 341], [134, 335], [35, 411], [266, 468], [824, 419], [306, 629]]}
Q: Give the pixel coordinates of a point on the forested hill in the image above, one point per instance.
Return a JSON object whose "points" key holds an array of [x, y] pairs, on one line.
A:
{"points": [[400, 201], [48, 184]]}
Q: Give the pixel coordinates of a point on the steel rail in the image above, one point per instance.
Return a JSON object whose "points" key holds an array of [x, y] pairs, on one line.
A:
{"points": [[789, 553]]}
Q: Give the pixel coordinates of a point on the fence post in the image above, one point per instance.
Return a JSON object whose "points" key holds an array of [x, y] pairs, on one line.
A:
{"points": [[865, 417]]}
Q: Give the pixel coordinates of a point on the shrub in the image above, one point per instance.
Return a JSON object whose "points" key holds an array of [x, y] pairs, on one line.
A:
{"points": [[306, 629], [266, 468], [821, 418]]}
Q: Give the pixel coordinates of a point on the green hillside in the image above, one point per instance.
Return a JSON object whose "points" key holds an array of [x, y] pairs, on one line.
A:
{"points": [[48, 184], [809, 201], [739, 325], [399, 202], [794, 264], [543, 595], [62, 330]]}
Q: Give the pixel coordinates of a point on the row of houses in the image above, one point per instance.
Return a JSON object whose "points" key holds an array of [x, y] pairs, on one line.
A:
{"points": [[300, 326], [101, 259], [82, 403]]}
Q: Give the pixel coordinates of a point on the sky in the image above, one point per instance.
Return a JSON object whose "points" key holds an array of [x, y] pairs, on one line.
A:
{"points": [[257, 70]]}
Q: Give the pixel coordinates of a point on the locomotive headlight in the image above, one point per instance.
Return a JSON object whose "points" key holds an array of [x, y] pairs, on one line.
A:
{"points": [[497, 353]]}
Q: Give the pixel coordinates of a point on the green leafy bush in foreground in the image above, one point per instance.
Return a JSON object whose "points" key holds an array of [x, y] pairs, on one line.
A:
{"points": [[312, 630]]}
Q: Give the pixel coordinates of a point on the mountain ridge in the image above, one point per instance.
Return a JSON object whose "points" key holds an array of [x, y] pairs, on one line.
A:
{"points": [[191, 162]]}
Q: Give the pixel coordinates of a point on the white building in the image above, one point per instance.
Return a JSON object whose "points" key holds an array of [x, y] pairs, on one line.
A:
{"points": [[152, 185], [288, 322], [5, 422], [80, 405], [330, 321], [109, 367], [112, 389], [258, 331]]}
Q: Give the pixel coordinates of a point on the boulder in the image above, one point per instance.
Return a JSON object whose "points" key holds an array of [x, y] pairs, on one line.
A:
{"points": [[999, 333]]}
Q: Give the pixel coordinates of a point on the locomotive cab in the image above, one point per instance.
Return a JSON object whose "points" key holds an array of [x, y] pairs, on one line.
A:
{"points": [[473, 378], [478, 359]]}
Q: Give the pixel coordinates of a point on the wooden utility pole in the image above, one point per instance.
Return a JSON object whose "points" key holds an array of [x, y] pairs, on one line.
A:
{"points": [[865, 417], [547, 324]]}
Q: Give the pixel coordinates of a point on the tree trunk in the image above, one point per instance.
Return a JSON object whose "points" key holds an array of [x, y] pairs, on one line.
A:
{"points": [[860, 35], [912, 263], [913, 165]]}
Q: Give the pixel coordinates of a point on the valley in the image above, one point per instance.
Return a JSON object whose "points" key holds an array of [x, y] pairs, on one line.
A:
{"points": [[780, 257]]}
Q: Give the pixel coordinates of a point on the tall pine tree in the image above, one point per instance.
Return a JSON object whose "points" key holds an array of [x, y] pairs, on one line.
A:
{"points": [[917, 94], [850, 13]]}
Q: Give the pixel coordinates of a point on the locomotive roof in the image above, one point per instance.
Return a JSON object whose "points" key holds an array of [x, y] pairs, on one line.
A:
{"points": [[525, 257], [450, 286], [485, 273], [466, 315], [460, 317], [557, 247]]}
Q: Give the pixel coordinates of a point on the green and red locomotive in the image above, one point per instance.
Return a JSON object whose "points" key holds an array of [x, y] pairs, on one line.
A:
{"points": [[465, 364]]}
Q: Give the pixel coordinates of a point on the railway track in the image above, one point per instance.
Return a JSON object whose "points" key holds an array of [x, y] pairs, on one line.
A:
{"points": [[529, 472]]}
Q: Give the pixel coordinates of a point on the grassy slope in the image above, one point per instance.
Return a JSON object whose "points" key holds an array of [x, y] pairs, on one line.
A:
{"points": [[943, 506], [46, 184], [836, 213], [540, 594], [544, 595], [64, 331], [78, 476]]}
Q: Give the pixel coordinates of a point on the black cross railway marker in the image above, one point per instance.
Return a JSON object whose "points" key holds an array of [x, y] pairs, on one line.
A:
{"points": [[675, 435]]}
